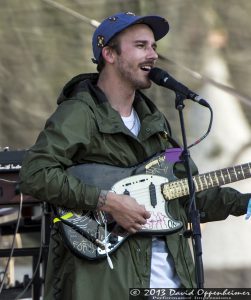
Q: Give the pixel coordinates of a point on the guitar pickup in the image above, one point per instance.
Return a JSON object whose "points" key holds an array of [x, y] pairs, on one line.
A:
{"points": [[153, 197]]}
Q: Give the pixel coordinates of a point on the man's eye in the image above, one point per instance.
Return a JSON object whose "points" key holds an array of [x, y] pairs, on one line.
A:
{"points": [[140, 45]]}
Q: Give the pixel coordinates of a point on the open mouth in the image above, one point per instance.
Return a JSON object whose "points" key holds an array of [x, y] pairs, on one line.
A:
{"points": [[146, 68]]}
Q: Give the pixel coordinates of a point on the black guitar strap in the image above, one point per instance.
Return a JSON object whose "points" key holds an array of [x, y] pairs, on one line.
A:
{"points": [[173, 142], [168, 135]]}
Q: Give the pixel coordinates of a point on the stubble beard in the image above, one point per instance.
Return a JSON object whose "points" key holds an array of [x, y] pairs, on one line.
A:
{"points": [[126, 72]]}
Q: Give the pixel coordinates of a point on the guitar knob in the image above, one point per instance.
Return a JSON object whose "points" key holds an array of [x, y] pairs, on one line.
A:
{"points": [[113, 239], [126, 192]]}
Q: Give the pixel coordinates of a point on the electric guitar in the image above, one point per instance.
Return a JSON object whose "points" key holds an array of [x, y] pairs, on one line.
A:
{"points": [[92, 234]]}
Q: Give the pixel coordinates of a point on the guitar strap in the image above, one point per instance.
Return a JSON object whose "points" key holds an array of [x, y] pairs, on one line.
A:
{"points": [[173, 142], [165, 135], [175, 155]]}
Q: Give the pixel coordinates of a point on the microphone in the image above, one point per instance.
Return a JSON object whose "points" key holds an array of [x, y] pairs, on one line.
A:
{"points": [[162, 78]]}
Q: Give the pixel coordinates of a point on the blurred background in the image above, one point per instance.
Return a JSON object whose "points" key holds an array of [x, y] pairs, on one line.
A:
{"points": [[208, 49]]}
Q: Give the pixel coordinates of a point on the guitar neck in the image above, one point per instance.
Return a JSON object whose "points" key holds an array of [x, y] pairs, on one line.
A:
{"points": [[179, 188]]}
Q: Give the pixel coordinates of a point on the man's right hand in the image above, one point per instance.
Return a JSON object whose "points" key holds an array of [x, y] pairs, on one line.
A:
{"points": [[125, 210]]}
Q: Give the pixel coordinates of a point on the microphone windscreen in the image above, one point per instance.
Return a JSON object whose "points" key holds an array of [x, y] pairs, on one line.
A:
{"points": [[157, 75]]}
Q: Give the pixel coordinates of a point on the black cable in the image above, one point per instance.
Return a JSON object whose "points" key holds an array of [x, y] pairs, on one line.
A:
{"points": [[56, 261], [183, 253], [13, 241], [38, 262], [208, 130]]}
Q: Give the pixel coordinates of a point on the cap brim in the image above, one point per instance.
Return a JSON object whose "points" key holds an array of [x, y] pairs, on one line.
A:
{"points": [[159, 25]]}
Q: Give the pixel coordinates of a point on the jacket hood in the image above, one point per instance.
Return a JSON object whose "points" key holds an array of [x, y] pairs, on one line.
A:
{"points": [[83, 87], [76, 85]]}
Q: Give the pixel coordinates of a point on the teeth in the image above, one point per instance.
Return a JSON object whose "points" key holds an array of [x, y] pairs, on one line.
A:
{"points": [[146, 68]]}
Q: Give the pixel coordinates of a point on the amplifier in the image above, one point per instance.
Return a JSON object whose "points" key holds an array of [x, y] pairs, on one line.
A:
{"points": [[10, 165], [11, 161]]}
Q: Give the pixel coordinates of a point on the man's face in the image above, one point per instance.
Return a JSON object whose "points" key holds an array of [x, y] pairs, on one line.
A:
{"points": [[137, 56]]}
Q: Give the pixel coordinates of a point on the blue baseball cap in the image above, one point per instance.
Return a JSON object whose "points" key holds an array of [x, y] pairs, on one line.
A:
{"points": [[120, 21]]}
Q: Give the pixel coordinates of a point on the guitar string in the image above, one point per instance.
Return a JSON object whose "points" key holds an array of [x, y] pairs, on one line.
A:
{"points": [[202, 180], [142, 191], [201, 183]]}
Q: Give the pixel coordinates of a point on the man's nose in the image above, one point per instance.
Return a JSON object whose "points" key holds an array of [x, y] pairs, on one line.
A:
{"points": [[152, 53]]}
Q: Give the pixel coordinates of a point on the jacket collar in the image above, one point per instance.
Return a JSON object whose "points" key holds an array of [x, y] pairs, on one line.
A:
{"points": [[83, 87]]}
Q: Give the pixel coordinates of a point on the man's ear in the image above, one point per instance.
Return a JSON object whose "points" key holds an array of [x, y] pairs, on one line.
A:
{"points": [[108, 54]]}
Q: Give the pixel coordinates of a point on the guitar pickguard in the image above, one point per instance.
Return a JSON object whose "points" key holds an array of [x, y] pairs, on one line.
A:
{"points": [[160, 222]]}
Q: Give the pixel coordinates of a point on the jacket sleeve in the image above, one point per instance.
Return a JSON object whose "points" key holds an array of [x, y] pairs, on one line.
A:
{"points": [[214, 204], [43, 174], [218, 203]]}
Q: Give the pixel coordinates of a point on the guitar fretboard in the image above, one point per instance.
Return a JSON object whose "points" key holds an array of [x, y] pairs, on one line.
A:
{"points": [[179, 188]]}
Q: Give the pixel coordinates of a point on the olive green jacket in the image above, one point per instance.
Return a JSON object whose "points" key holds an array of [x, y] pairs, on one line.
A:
{"points": [[84, 128]]}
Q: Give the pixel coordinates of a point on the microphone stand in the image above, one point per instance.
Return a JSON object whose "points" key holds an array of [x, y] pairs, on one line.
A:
{"points": [[194, 214]]}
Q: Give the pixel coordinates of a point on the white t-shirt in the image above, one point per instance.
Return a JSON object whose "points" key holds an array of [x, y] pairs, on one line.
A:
{"points": [[163, 274], [132, 122]]}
